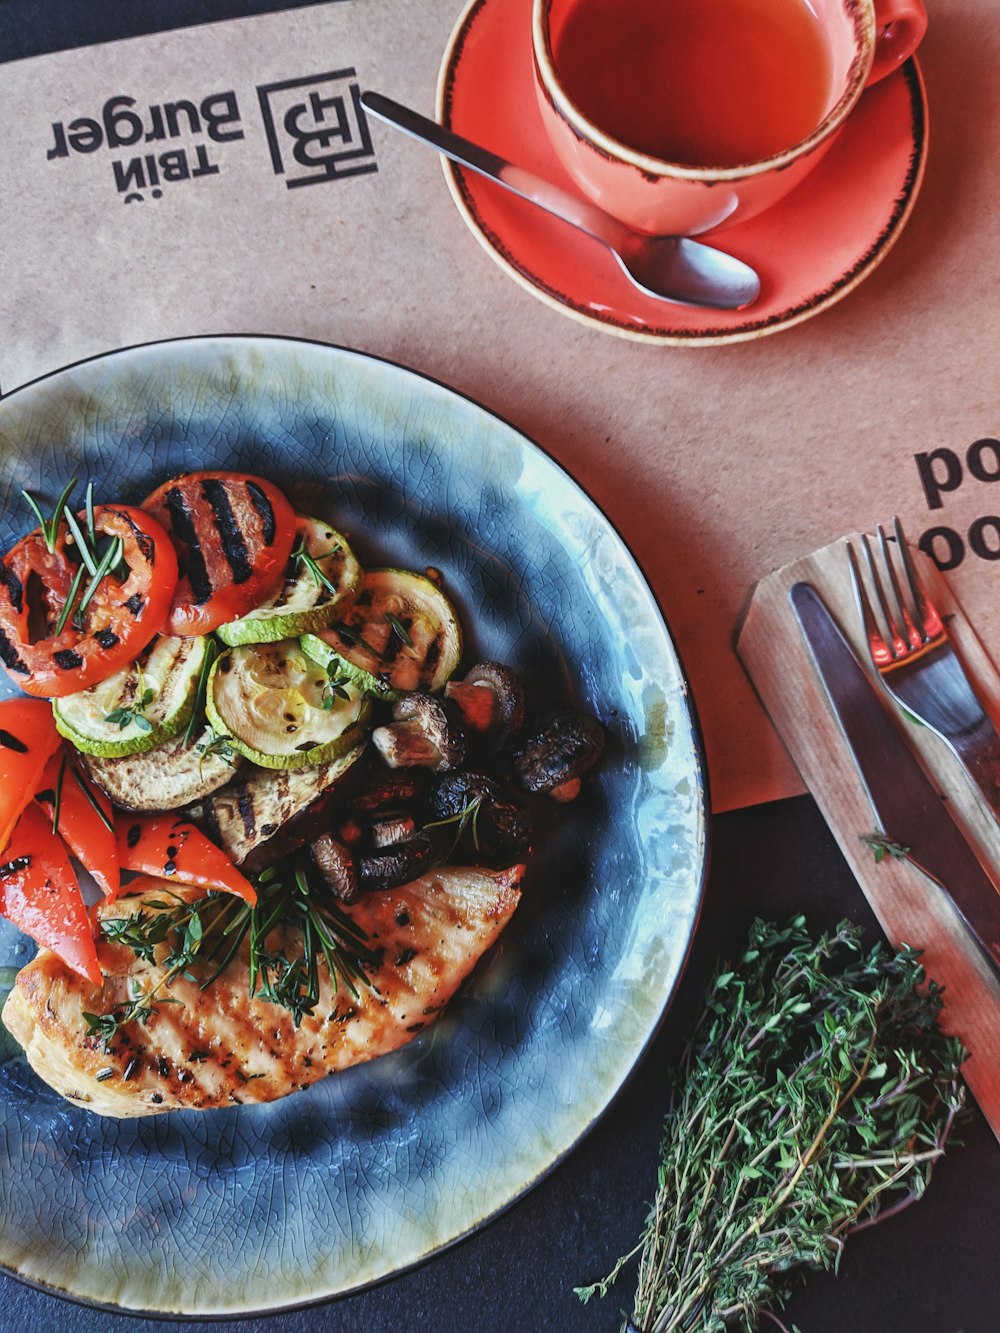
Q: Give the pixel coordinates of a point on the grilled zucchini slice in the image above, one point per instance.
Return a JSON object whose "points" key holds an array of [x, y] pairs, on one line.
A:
{"points": [[322, 577], [279, 709], [339, 668], [139, 707], [401, 629]]}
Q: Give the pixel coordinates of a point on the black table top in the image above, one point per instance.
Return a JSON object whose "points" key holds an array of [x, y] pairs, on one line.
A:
{"points": [[932, 1269]]}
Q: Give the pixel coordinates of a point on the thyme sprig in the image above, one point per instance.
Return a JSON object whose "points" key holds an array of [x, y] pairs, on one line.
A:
{"points": [[203, 937], [335, 686], [127, 714], [813, 1099], [883, 846], [216, 744]]}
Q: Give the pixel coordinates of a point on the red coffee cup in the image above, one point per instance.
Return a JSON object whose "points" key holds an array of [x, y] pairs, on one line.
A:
{"points": [[685, 116]]}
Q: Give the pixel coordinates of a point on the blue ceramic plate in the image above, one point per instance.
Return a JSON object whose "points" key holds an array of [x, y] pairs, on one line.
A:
{"points": [[373, 1170]]}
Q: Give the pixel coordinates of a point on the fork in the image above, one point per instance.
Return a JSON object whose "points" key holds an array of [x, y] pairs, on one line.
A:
{"points": [[917, 663]]}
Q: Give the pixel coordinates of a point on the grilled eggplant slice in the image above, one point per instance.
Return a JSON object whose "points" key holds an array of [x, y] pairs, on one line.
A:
{"points": [[256, 815], [171, 776]]}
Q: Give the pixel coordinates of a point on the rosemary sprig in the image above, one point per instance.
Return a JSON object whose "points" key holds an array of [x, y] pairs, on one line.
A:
{"points": [[50, 526], [355, 639], [89, 508], [104, 567], [98, 808], [205, 935], [57, 794], [84, 543], [68, 605], [398, 628], [197, 712], [311, 563], [92, 565], [469, 814], [813, 1099]]}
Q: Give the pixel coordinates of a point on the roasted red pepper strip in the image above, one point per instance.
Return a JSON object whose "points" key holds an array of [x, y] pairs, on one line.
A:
{"points": [[175, 849], [90, 838], [27, 740], [39, 894]]}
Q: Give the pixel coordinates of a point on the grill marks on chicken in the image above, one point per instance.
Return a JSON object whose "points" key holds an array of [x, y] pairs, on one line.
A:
{"points": [[219, 1047]]}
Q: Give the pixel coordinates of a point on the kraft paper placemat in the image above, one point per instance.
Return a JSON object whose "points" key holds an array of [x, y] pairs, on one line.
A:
{"points": [[717, 464], [911, 908]]}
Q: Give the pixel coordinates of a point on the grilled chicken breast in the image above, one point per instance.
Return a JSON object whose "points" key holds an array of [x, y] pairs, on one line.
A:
{"points": [[218, 1047]]}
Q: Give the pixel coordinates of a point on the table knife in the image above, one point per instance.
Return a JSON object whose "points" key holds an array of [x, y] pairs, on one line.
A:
{"points": [[913, 815]]}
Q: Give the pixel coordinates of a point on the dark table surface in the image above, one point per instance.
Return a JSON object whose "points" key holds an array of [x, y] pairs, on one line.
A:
{"points": [[933, 1269]]}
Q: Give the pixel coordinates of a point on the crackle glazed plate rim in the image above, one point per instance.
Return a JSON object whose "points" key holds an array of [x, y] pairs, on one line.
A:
{"points": [[425, 1146]]}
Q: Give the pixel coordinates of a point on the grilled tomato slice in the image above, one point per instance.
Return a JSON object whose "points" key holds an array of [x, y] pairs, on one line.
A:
{"points": [[51, 652], [233, 534]]}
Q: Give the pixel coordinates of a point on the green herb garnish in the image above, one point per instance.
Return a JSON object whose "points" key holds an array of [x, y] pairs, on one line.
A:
{"points": [[354, 638], [126, 714], [50, 526], [205, 935], [57, 794], [311, 562], [335, 686], [882, 846], [132, 713], [104, 567], [813, 1099], [211, 654], [398, 628], [68, 605], [98, 808], [469, 814], [216, 744]]}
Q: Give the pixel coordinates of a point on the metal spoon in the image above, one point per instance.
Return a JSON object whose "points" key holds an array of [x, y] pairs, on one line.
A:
{"points": [[672, 268]]}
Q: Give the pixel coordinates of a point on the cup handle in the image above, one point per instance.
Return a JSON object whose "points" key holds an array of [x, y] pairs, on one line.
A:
{"points": [[899, 27]]}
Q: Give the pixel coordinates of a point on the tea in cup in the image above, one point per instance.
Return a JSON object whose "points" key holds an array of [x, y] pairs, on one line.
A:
{"points": [[685, 116]]}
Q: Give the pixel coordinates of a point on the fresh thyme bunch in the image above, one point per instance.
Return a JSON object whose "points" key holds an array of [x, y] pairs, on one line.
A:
{"points": [[813, 1099]]}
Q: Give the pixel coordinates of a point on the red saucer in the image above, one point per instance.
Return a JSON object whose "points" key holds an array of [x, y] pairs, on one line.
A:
{"points": [[810, 249]]}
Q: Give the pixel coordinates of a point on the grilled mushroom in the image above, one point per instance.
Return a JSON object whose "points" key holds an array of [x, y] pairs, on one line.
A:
{"points": [[490, 699], [552, 759], [492, 827], [386, 791], [334, 862], [424, 733], [387, 867], [391, 826]]}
